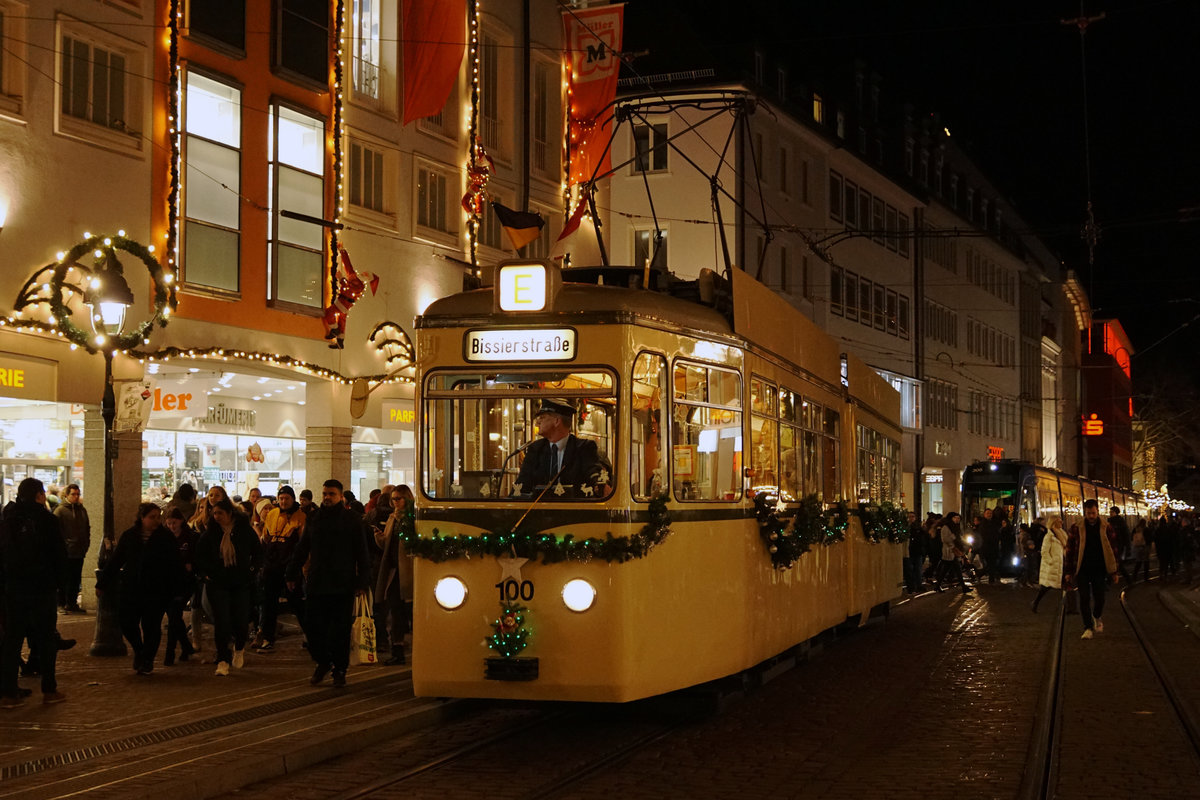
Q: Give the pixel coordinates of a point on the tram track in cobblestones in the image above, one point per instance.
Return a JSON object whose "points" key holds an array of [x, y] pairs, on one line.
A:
{"points": [[1075, 679], [543, 732]]}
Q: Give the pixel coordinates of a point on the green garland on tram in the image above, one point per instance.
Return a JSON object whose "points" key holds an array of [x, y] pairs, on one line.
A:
{"points": [[790, 535], [884, 523], [550, 547]]}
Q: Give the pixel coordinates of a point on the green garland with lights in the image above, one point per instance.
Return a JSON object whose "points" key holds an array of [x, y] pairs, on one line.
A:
{"points": [[165, 300], [273, 359], [884, 523], [790, 534], [509, 634], [550, 547]]}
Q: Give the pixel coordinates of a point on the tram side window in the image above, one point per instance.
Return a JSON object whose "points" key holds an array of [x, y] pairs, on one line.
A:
{"points": [[706, 434], [648, 453], [878, 467], [763, 435]]}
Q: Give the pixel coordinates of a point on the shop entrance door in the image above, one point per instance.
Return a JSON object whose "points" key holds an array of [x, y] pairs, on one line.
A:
{"points": [[14, 471]]}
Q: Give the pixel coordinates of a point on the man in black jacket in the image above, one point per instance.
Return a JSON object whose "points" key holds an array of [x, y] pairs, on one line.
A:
{"points": [[572, 465], [32, 569], [339, 569]]}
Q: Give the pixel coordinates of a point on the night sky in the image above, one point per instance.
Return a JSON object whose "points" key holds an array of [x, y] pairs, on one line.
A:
{"points": [[1007, 77]]}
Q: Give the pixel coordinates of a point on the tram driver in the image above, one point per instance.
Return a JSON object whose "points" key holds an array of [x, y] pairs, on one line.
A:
{"points": [[573, 466]]}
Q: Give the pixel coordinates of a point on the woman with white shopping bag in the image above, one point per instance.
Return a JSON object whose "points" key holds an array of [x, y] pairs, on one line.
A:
{"points": [[394, 585], [1054, 545]]}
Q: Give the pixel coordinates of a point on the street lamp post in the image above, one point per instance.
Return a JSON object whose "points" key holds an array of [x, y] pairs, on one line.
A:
{"points": [[107, 298]]}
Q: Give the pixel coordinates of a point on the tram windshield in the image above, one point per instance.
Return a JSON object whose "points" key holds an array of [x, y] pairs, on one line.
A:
{"points": [[488, 435], [977, 499]]}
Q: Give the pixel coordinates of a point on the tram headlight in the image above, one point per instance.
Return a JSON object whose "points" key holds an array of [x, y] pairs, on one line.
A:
{"points": [[578, 595], [450, 592]]}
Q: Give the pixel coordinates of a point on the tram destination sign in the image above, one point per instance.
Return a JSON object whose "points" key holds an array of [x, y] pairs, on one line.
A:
{"points": [[509, 344]]}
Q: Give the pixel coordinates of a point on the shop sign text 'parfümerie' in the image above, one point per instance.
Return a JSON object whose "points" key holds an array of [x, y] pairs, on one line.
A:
{"points": [[220, 414], [544, 344]]}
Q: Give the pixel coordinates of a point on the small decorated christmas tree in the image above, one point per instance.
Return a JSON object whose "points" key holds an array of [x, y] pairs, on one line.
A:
{"points": [[509, 632]]}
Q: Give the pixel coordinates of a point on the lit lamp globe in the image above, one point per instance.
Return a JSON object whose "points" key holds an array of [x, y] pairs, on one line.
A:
{"points": [[109, 298]]}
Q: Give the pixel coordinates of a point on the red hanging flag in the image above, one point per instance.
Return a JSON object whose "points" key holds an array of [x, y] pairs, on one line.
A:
{"points": [[434, 43], [593, 37]]}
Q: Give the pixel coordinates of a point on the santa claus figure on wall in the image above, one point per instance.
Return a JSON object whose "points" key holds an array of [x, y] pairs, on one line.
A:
{"points": [[350, 287]]}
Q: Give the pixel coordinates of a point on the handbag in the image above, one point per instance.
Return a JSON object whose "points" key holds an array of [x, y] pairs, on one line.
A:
{"points": [[362, 634]]}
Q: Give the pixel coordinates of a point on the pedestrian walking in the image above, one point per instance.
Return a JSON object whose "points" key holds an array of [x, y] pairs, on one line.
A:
{"points": [[33, 560], [1139, 552], [340, 568], [185, 544], [1050, 573], [76, 531], [916, 554], [1121, 528], [1187, 546], [393, 584], [988, 533], [1090, 564], [282, 526], [933, 545], [145, 564], [227, 559], [952, 553]]}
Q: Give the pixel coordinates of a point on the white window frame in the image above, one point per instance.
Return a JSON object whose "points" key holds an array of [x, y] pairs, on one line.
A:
{"points": [[449, 188], [132, 138], [366, 51], [384, 217], [189, 140], [275, 241], [12, 58], [656, 129]]}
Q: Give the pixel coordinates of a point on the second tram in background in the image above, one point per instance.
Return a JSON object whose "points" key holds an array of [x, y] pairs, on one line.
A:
{"points": [[705, 401], [1030, 491]]}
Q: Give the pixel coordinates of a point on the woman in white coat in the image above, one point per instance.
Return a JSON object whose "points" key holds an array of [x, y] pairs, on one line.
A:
{"points": [[1054, 545]]}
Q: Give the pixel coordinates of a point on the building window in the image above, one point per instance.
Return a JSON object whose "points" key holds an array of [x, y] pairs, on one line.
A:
{"points": [[489, 91], [94, 83], [12, 57], [818, 108], [298, 178], [835, 195], [905, 235], [781, 82], [805, 291], [878, 226], [803, 178], [760, 156], [212, 184], [880, 309], [909, 148], [366, 177], [302, 38], [893, 313], [491, 232], [784, 282], [223, 22], [645, 248], [851, 200], [784, 165], [542, 85], [904, 322], [891, 227], [365, 45], [864, 302], [433, 198], [851, 296], [836, 276], [650, 147]]}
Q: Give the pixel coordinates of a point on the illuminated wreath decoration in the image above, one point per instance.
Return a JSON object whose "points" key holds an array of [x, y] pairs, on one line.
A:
{"points": [[790, 535], [106, 248], [549, 546], [884, 522]]}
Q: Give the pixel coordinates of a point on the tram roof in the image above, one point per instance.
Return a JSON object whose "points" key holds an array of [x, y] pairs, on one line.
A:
{"points": [[581, 302]]}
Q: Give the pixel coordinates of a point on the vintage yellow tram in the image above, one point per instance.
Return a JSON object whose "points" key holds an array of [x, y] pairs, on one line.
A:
{"points": [[649, 571]]}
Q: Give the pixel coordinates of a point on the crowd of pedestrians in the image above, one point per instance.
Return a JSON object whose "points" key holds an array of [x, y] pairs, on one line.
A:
{"points": [[1081, 559], [226, 565]]}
